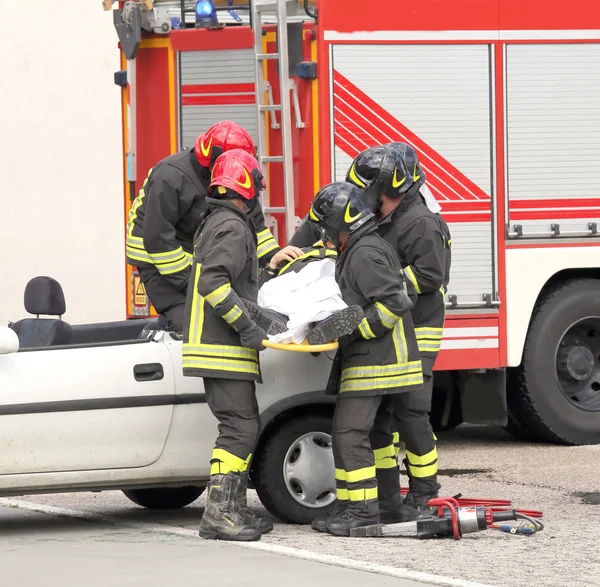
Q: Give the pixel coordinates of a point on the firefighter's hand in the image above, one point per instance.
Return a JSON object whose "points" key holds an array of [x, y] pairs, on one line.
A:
{"points": [[252, 337], [286, 254]]}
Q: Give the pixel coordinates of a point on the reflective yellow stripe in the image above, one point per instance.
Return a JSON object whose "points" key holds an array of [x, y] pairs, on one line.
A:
{"points": [[220, 468], [218, 295], [365, 329], [189, 256], [360, 474], [420, 472], [174, 267], [228, 458], [340, 474], [388, 318], [400, 345], [429, 339], [429, 346], [381, 384], [380, 370], [267, 247], [362, 494], [387, 463], [408, 270], [220, 351], [136, 205], [174, 255], [263, 235], [395, 437], [429, 332], [137, 255], [211, 364], [382, 453], [232, 315], [396, 440], [426, 459], [196, 314], [341, 494]]}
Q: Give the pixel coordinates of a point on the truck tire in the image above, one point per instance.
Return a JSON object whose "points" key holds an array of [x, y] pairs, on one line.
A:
{"points": [[294, 474], [164, 498], [558, 383], [515, 426]]}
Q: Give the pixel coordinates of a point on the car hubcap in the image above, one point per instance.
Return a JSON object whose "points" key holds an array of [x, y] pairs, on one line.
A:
{"points": [[578, 364], [309, 472]]}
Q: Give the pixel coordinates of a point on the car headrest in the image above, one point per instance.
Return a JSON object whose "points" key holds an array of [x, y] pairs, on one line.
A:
{"points": [[44, 295]]}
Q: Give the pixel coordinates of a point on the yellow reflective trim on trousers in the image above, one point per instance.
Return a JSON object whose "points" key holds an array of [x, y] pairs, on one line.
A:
{"points": [[170, 268], [341, 494], [208, 363], [425, 459], [360, 474], [387, 317], [365, 329], [421, 472], [197, 313], [340, 474], [232, 315], [218, 295], [429, 347], [396, 437], [408, 270], [220, 351], [380, 384], [362, 494], [219, 454], [385, 452], [387, 463], [380, 370], [220, 468]]}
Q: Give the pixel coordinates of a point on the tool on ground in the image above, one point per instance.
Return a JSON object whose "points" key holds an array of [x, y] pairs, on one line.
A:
{"points": [[303, 347], [455, 519]]}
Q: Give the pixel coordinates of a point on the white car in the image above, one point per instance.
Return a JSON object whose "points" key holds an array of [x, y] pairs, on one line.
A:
{"points": [[111, 409]]}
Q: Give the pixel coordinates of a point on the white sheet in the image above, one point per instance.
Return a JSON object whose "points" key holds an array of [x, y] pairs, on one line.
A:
{"points": [[310, 295]]}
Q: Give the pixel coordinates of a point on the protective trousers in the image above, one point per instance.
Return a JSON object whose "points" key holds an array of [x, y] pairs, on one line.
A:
{"points": [[168, 301], [233, 403]]}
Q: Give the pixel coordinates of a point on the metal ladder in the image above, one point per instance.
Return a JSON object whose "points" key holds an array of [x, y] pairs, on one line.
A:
{"points": [[279, 7]]}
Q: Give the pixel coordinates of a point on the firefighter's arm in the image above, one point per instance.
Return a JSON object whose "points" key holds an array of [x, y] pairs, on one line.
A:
{"points": [[266, 244], [383, 285], [423, 246], [224, 259], [306, 235], [160, 241]]}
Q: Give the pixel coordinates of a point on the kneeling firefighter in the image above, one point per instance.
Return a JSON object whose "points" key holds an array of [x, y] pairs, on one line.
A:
{"points": [[164, 218], [422, 240], [221, 340]]}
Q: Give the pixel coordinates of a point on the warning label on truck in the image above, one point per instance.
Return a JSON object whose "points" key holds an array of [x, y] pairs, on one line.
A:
{"points": [[139, 299]]}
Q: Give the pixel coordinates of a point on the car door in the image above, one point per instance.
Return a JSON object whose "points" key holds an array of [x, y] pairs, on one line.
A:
{"points": [[86, 407]]}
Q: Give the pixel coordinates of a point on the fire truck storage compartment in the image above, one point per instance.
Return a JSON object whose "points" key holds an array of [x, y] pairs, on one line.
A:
{"points": [[553, 130], [439, 99], [216, 85]]}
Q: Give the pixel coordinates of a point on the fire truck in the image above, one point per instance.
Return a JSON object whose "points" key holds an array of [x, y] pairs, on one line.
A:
{"points": [[500, 99]]}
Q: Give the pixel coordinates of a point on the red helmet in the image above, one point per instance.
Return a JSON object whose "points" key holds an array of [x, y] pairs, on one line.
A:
{"points": [[239, 172], [221, 137]]}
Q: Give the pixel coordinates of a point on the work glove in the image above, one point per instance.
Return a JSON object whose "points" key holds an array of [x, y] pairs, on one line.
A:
{"points": [[252, 337]]}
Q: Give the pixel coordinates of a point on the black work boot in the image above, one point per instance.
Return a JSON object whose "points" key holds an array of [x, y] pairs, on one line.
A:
{"points": [[356, 515], [338, 324], [319, 524], [263, 525], [419, 493], [221, 520], [270, 321], [390, 498]]}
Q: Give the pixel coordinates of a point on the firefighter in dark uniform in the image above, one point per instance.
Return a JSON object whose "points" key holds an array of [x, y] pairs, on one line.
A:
{"points": [[380, 359], [221, 340], [422, 241], [164, 218]]}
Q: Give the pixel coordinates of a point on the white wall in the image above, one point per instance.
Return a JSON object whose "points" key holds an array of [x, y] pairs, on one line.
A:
{"points": [[61, 195]]}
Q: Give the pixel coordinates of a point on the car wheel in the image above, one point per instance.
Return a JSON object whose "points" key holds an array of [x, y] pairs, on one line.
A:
{"points": [[164, 498], [558, 393], [294, 473]]}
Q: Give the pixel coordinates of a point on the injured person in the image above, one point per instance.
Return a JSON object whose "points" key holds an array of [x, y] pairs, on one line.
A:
{"points": [[300, 299]]}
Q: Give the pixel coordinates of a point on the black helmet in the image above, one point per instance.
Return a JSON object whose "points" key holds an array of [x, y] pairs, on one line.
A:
{"points": [[339, 207], [380, 171], [411, 162]]}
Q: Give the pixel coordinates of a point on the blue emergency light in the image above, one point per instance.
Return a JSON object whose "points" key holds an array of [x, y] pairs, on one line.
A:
{"points": [[206, 14]]}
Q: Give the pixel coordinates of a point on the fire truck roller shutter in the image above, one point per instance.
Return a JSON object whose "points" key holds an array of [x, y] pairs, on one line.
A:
{"points": [[386, 93]]}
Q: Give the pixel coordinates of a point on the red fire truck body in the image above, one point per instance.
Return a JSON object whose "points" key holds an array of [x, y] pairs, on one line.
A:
{"points": [[501, 100]]}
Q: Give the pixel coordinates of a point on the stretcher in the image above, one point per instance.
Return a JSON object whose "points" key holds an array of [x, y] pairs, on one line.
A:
{"points": [[303, 347]]}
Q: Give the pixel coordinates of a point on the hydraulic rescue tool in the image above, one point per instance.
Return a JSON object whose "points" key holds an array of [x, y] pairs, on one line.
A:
{"points": [[452, 519]]}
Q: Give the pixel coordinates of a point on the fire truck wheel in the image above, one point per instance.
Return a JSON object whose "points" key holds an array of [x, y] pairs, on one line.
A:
{"points": [[558, 396], [293, 472], [515, 426], [164, 498]]}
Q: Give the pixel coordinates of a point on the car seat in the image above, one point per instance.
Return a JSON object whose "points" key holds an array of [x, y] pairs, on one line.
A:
{"points": [[43, 296]]}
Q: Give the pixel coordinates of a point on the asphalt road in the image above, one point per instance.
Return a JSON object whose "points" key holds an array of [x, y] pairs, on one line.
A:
{"points": [[105, 539]]}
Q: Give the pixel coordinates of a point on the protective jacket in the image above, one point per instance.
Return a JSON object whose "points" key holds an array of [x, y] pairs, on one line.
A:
{"points": [[422, 241], [165, 216], [225, 269], [383, 358]]}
